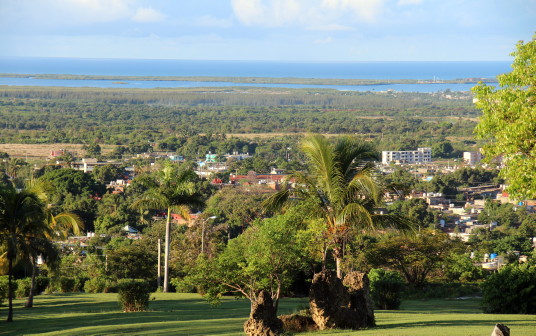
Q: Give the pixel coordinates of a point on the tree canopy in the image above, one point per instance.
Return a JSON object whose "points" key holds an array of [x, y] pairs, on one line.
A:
{"points": [[509, 122]]}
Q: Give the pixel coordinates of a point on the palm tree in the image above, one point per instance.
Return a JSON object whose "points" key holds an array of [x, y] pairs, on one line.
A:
{"points": [[172, 189], [342, 189], [55, 228], [33, 237], [22, 218]]}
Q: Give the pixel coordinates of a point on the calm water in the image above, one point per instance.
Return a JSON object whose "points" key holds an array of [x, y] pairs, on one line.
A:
{"points": [[360, 70]]}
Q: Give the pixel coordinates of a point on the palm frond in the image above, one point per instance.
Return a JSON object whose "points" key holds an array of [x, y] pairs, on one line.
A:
{"points": [[395, 222], [323, 166], [277, 201]]}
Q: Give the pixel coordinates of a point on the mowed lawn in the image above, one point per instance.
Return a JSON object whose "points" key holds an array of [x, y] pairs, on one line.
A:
{"points": [[189, 314]]}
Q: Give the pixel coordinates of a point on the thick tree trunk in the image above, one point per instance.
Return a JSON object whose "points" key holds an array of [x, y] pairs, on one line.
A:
{"points": [[339, 271], [29, 301], [166, 251], [10, 291]]}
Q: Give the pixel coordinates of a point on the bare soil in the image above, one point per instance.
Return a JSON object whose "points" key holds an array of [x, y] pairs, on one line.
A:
{"points": [[41, 151]]}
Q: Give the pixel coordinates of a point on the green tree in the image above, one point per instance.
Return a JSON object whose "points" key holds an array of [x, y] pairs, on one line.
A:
{"points": [[70, 181], [508, 121], [133, 262], [92, 150], [265, 257], [171, 188], [442, 149], [105, 174], [22, 218], [237, 208], [413, 256], [416, 210], [342, 188]]}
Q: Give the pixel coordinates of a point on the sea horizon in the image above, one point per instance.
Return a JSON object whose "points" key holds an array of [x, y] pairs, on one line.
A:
{"points": [[446, 70]]}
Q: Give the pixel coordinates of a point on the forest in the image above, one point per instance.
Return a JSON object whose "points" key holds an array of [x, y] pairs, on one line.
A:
{"points": [[134, 117]]}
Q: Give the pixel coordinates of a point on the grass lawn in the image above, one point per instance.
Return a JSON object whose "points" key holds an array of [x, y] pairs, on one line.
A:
{"points": [[188, 314]]}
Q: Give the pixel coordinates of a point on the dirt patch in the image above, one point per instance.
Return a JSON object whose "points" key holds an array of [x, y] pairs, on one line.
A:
{"points": [[41, 151]]}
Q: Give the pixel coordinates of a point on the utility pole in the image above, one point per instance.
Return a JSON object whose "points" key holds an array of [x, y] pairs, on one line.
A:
{"points": [[159, 273]]}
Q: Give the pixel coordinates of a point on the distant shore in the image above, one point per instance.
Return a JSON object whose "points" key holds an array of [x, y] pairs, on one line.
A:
{"points": [[255, 80]]}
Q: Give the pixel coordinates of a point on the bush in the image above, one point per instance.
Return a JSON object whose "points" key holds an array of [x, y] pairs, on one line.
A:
{"points": [[79, 283], [41, 284], [442, 291], [510, 291], [133, 295], [23, 288], [66, 285], [386, 288], [4, 284], [100, 285], [460, 267], [183, 285]]}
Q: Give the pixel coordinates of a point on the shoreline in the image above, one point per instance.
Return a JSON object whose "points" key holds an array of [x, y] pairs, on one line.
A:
{"points": [[253, 80]]}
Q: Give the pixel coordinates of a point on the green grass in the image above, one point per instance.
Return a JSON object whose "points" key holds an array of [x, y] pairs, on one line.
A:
{"points": [[189, 314]]}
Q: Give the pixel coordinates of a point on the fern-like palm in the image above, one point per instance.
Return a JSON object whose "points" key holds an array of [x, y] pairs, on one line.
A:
{"points": [[341, 185], [172, 189], [28, 228]]}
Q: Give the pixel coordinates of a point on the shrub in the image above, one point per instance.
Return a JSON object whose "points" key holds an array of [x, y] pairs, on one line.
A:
{"points": [[512, 290], [100, 285], [41, 284], [23, 288], [4, 284], [79, 283], [66, 285], [442, 290], [386, 288], [133, 295], [460, 267], [183, 285]]}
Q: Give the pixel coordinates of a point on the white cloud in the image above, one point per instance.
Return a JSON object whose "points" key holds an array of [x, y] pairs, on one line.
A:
{"points": [[308, 13], [367, 10], [93, 10], [148, 15], [330, 27]]}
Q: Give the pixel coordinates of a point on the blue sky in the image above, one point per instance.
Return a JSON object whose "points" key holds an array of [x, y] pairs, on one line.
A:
{"points": [[287, 30]]}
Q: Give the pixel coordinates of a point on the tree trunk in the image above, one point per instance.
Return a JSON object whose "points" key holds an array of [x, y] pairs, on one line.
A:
{"points": [[29, 301], [277, 296], [166, 251], [10, 291], [339, 271]]}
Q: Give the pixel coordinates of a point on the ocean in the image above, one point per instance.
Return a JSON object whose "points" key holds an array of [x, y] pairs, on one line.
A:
{"points": [[341, 70]]}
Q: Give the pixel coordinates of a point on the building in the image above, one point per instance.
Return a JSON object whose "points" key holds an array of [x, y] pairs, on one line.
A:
{"points": [[421, 155], [472, 158]]}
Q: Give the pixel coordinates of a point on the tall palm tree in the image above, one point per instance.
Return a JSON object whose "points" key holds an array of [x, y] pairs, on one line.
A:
{"points": [[55, 228], [33, 238], [341, 185], [22, 217], [172, 189]]}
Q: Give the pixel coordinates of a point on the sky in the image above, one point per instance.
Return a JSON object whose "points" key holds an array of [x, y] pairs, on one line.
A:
{"points": [[278, 30]]}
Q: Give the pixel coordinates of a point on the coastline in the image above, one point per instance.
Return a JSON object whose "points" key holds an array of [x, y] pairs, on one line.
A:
{"points": [[252, 80]]}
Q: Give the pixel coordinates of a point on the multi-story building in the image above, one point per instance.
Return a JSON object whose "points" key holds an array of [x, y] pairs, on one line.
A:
{"points": [[421, 155], [472, 158]]}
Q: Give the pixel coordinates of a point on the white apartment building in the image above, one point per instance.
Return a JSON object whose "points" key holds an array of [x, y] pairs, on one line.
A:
{"points": [[472, 158], [421, 155]]}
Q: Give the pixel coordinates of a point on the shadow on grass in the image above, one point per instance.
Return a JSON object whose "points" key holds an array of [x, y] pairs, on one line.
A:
{"points": [[86, 314]]}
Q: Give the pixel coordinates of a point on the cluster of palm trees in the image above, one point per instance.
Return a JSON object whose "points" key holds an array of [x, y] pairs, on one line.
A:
{"points": [[28, 228]]}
